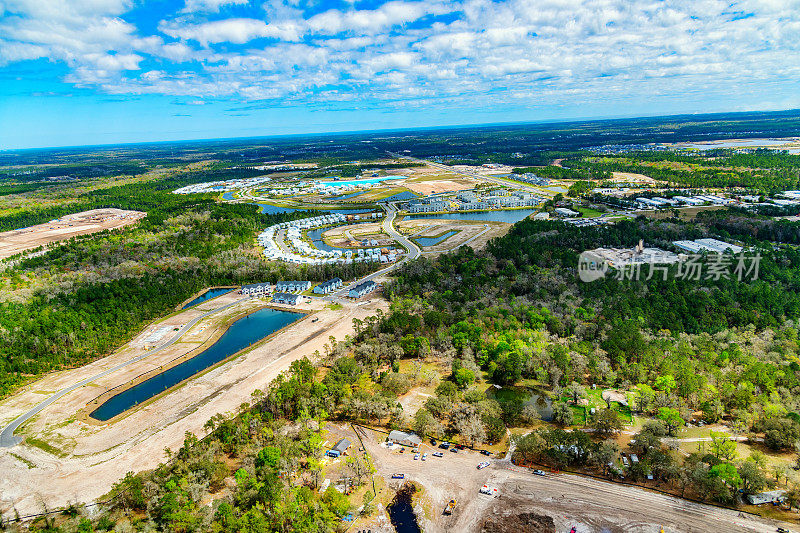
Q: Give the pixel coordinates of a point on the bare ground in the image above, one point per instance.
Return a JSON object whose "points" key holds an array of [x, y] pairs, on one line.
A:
{"points": [[570, 501], [81, 461], [85, 222]]}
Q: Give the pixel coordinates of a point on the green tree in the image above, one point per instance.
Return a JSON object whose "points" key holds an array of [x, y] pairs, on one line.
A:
{"points": [[606, 422], [672, 418], [562, 414]]}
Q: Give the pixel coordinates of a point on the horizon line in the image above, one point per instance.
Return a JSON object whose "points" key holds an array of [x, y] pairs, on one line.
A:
{"points": [[609, 118]]}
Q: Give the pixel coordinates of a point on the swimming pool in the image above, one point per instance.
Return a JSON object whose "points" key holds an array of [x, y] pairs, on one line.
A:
{"points": [[360, 182]]}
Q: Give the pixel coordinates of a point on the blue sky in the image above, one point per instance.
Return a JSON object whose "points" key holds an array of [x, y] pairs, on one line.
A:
{"points": [[76, 72]]}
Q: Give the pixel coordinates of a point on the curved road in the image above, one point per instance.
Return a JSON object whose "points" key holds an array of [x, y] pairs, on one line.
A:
{"points": [[7, 437], [414, 251]]}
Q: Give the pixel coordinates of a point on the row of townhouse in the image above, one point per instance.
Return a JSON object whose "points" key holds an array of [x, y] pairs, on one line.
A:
{"points": [[292, 286], [328, 286], [285, 298], [362, 289], [256, 289]]}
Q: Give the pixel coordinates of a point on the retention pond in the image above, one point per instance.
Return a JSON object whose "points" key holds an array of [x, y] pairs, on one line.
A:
{"points": [[401, 511], [210, 294], [241, 334]]}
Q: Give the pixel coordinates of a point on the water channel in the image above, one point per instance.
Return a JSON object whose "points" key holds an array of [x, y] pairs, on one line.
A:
{"points": [[210, 294], [241, 334], [433, 241], [510, 216]]}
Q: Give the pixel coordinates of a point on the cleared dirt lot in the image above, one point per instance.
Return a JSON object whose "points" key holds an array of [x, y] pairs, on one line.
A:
{"points": [[85, 222], [80, 461], [571, 501], [473, 233]]}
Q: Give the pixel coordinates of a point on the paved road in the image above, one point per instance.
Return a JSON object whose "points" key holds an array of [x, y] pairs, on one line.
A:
{"points": [[7, 437], [414, 251]]}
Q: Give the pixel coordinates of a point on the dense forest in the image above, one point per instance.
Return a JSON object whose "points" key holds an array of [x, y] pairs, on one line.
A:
{"points": [[78, 301]]}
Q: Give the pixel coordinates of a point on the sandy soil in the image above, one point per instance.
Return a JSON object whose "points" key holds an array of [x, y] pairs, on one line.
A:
{"points": [[474, 233], [87, 459], [587, 504], [441, 185], [629, 177], [85, 222]]}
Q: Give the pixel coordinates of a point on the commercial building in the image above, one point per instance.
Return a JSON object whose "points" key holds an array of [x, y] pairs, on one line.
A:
{"points": [[401, 437], [340, 448], [565, 212], [707, 245]]}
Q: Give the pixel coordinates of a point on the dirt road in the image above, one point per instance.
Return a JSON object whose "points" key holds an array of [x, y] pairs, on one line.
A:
{"points": [[571, 501], [66, 460]]}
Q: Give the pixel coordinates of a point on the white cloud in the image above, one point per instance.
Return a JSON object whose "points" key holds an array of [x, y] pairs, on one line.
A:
{"points": [[237, 31], [211, 6], [462, 52]]}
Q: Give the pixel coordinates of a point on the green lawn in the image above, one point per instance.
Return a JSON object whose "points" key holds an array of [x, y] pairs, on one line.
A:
{"points": [[589, 213]]}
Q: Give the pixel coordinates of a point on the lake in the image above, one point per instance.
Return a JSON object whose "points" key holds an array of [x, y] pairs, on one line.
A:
{"points": [[241, 334], [227, 196], [510, 216], [210, 294], [433, 241], [751, 143]]}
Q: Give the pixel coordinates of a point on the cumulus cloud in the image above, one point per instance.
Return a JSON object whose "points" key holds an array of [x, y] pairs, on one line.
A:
{"points": [[460, 52], [237, 31]]}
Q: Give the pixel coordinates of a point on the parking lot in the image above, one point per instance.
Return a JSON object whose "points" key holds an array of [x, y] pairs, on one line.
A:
{"points": [[570, 501]]}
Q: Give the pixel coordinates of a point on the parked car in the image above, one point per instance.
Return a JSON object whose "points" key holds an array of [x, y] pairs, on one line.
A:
{"points": [[444, 445], [424, 456], [438, 454], [454, 450], [540, 472], [433, 442], [416, 456], [486, 452], [398, 476], [483, 465]]}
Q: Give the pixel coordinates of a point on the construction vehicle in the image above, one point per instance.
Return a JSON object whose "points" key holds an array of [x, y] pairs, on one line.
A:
{"points": [[451, 505]]}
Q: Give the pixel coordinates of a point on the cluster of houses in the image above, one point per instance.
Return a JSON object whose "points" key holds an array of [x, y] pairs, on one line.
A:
{"points": [[362, 289], [473, 201], [328, 287], [330, 188], [531, 178], [222, 186], [304, 252]]}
